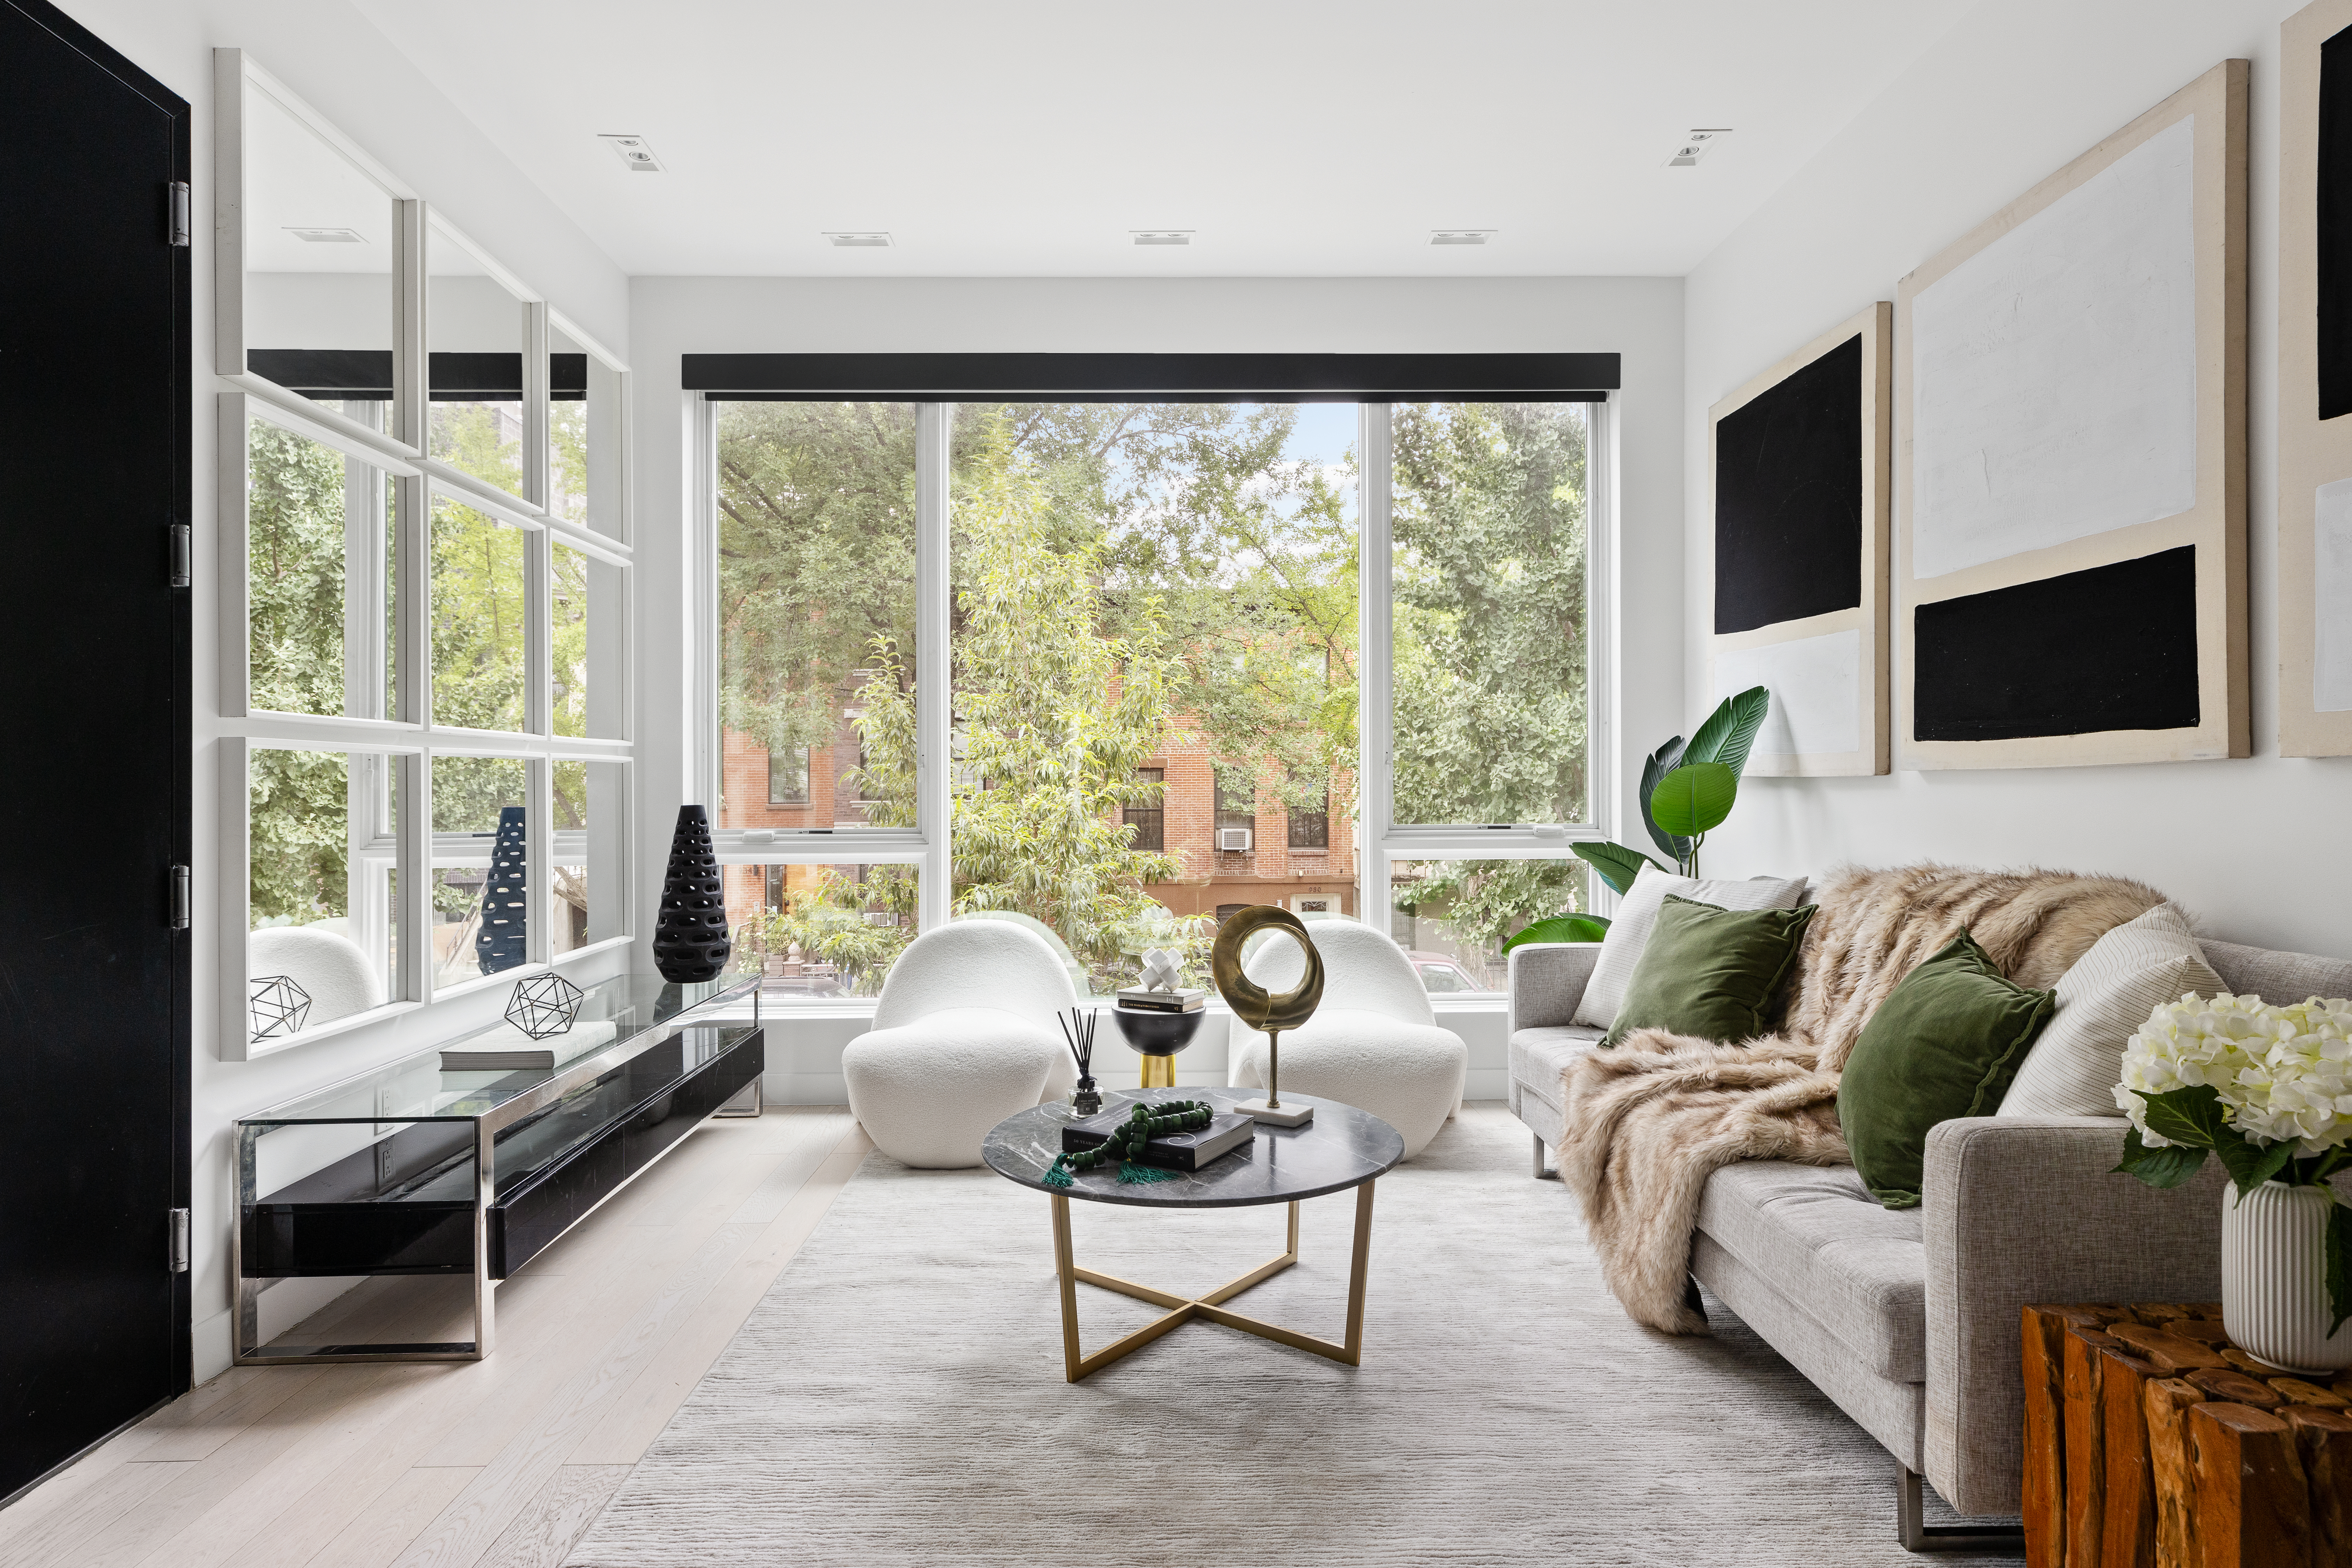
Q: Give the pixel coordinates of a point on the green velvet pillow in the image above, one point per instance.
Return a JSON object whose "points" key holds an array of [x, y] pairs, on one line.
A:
{"points": [[1710, 972], [1946, 1042]]}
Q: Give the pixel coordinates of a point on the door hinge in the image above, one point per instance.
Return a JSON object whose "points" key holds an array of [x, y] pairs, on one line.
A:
{"points": [[183, 220], [183, 569], [183, 899], [179, 1241]]}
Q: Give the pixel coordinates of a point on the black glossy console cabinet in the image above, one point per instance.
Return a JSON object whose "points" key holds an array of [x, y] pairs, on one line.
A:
{"points": [[406, 1204], [415, 1170]]}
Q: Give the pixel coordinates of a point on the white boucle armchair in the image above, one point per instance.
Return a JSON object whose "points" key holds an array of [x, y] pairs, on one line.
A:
{"points": [[963, 1037], [1374, 1043]]}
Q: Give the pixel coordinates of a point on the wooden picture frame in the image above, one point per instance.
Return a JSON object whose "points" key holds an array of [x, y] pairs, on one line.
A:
{"points": [[2071, 480], [2315, 442], [1796, 568]]}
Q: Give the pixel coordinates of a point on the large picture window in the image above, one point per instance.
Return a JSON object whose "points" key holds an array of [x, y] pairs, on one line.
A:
{"points": [[1159, 703]]}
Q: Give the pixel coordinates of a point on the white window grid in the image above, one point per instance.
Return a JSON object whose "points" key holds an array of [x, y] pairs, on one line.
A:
{"points": [[407, 738], [1381, 843]]}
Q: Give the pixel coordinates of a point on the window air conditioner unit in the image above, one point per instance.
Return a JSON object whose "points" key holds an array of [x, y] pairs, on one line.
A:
{"points": [[1232, 837]]}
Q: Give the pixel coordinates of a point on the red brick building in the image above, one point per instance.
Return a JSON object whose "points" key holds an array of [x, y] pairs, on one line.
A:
{"points": [[1299, 858]]}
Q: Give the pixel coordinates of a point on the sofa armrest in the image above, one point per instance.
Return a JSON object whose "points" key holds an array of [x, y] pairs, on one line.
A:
{"points": [[1546, 980], [2019, 1210]]}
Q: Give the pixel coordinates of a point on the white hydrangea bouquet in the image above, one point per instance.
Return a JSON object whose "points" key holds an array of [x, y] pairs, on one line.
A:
{"points": [[2268, 1089]]}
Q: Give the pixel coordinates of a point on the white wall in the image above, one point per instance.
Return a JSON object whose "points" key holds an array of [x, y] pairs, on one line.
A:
{"points": [[325, 51], [2256, 848], [1640, 318]]}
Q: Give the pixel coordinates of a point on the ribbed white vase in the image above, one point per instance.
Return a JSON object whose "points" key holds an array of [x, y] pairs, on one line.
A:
{"points": [[2274, 1278]]}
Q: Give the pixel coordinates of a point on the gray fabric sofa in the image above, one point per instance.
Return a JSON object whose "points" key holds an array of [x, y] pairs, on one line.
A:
{"points": [[1909, 1319]]}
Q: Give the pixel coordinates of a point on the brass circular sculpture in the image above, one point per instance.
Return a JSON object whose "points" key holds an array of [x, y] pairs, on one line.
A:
{"points": [[1252, 1002]]}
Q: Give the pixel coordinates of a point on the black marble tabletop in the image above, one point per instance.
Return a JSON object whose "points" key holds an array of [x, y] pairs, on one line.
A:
{"points": [[1343, 1147]]}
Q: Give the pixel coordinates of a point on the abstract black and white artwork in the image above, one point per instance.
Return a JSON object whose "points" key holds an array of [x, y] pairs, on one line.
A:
{"points": [[2070, 487], [1799, 465]]}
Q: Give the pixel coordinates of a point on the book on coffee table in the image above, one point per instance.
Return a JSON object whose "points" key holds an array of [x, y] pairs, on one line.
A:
{"points": [[508, 1049], [1177, 1150]]}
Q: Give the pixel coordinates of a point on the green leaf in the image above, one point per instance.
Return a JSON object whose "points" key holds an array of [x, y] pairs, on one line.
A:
{"points": [[2250, 1165], [1562, 928], [2191, 1116], [1615, 864], [1730, 730], [1655, 766], [2165, 1167], [2339, 1263], [1695, 798]]}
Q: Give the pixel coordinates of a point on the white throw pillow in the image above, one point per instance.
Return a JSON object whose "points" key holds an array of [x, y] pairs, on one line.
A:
{"points": [[1629, 929], [2072, 1069]]}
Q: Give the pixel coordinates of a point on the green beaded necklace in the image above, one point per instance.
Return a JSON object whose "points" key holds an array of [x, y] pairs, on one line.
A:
{"points": [[1126, 1140]]}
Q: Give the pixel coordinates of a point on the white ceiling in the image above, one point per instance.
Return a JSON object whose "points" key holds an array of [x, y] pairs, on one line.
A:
{"points": [[1027, 139]]}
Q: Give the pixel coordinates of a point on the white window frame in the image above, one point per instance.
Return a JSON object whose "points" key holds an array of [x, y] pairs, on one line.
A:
{"points": [[409, 736], [1380, 842], [1383, 842]]}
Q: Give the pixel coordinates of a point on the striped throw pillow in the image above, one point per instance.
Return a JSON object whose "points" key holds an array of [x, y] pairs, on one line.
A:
{"points": [[2102, 1002]]}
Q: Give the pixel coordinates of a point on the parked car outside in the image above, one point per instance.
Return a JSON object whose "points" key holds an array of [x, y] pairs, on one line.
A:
{"points": [[1441, 973]]}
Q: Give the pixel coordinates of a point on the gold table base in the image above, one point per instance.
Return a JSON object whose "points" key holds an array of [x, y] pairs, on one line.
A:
{"points": [[1183, 1310], [1158, 1072]]}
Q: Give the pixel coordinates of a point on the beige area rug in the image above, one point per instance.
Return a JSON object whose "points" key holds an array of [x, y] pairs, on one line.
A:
{"points": [[898, 1399]]}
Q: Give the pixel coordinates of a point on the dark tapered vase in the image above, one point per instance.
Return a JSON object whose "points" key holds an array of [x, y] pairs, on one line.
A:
{"points": [[690, 934]]}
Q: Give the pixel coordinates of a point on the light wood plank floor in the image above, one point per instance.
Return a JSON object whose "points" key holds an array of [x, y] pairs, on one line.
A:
{"points": [[500, 1463]]}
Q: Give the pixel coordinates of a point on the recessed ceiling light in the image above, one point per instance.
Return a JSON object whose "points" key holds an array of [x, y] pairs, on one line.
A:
{"points": [[1461, 235], [1161, 235], [859, 240], [632, 150], [1694, 145], [328, 235]]}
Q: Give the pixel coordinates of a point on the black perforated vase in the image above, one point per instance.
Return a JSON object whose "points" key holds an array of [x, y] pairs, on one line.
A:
{"points": [[690, 934]]}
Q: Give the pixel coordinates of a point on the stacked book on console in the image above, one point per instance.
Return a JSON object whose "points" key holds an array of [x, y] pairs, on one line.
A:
{"points": [[1176, 1150], [1163, 1001], [508, 1049]]}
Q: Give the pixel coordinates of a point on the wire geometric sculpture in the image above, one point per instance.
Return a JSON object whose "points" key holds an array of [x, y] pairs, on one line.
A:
{"points": [[278, 1007], [544, 1005], [501, 942]]}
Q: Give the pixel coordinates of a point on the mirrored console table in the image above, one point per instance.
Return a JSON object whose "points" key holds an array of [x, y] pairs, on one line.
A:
{"points": [[412, 1170]]}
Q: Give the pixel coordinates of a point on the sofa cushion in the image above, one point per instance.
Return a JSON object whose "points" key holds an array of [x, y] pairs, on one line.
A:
{"points": [[1858, 1269], [1710, 973], [1629, 927], [2278, 977], [1539, 1056], [2073, 1068]]}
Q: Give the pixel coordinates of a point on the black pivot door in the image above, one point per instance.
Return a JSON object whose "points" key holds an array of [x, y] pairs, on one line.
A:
{"points": [[94, 445]]}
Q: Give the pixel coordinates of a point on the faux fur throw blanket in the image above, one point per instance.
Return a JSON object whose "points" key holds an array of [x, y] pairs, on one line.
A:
{"points": [[1650, 1121]]}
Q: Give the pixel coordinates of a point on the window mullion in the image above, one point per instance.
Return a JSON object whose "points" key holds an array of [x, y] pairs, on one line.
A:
{"points": [[1374, 661], [933, 702]]}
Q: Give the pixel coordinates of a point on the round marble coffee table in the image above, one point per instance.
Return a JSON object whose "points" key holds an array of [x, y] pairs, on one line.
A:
{"points": [[1342, 1148]]}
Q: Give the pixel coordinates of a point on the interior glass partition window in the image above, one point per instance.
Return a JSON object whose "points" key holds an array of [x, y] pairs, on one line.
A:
{"points": [[1141, 588], [322, 901], [479, 619], [583, 854], [817, 611], [570, 595], [322, 575], [478, 334], [583, 435], [820, 933], [1489, 596], [320, 243], [481, 868]]}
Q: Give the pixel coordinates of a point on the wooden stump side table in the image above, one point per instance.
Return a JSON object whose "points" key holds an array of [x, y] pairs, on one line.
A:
{"points": [[2151, 1441]]}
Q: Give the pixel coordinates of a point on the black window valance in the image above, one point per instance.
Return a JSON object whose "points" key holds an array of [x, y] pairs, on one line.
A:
{"points": [[1181, 377]]}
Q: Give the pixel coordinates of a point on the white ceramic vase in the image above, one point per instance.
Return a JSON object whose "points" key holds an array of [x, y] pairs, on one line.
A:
{"points": [[2274, 1278]]}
